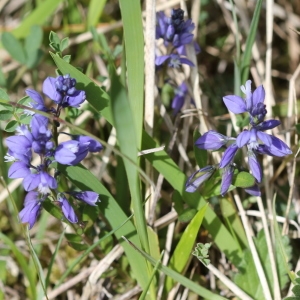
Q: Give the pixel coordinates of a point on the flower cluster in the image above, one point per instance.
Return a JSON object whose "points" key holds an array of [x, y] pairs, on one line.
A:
{"points": [[36, 139], [254, 139], [176, 33]]}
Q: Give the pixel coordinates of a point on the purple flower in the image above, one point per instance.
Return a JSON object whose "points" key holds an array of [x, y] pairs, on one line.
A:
{"points": [[179, 98], [66, 208], [212, 140], [253, 103], [41, 180], [71, 152], [62, 91], [31, 210], [198, 177], [88, 197], [227, 177], [174, 60]]}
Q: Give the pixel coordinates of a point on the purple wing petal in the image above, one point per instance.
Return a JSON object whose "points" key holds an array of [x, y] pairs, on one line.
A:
{"points": [[30, 213], [211, 140], [258, 95], [159, 60], [235, 104], [186, 61], [49, 89], [76, 100], [269, 124], [255, 167], [243, 138], [88, 197], [31, 182], [277, 148], [19, 169], [228, 155], [226, 179], [195, 180], [68, 210], [253, 190], [266, 138]]}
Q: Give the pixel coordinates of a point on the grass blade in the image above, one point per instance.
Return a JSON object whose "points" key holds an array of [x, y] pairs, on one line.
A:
{"points": [[134, 48]]}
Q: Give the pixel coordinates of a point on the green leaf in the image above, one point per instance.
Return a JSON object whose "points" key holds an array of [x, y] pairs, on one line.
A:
{"points": [[32, 44], [24, 119], [74, 238], [94, 12], [233, 221], [243, 180], [64, 44], [178, 202], [54, 39], [134, 49], [245, 67], [126, 136], [52, 209], [200, 154], [11, 126], [37, 17], [24, 101], [5, 115], [67, 58], [5, 98], [201, 252], [182, 252], [14, 47], [187, 215], [3, 95]]}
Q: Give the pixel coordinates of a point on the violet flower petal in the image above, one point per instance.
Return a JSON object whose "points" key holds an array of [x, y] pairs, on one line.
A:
{"points": [[228, 155], [30, 213], [227, 177], [258, 95], [49, 89], [19, 169], [159, 60], [243, 138], [194, 182], [266, 138], [211, 140], [31, 182], [255, 166], [269, 124], [67, 209], [93, 145], [253, 190], [88, 197], [235, 104]]}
